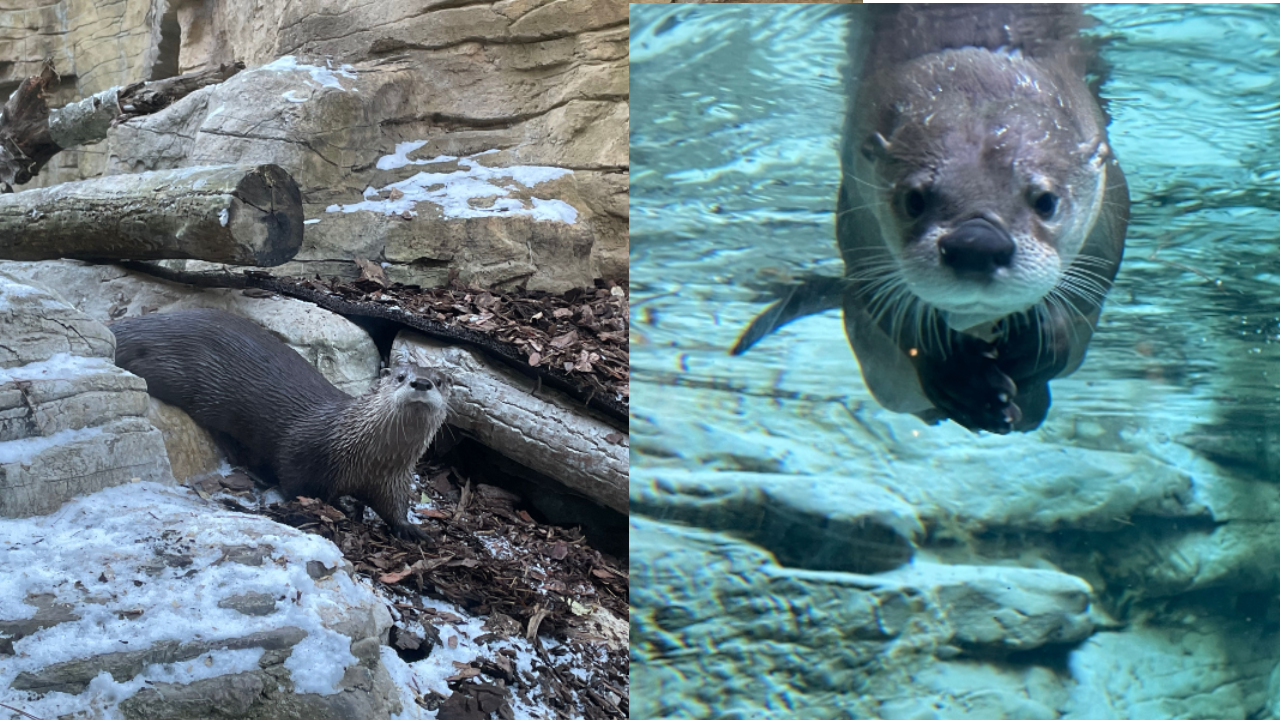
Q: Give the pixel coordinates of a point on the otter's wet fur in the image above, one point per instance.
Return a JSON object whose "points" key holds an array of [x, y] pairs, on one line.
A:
{"points": [[279, 416]]}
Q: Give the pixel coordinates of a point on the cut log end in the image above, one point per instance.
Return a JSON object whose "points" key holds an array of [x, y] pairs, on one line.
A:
{"points": [[240, 215], [266, 215]]}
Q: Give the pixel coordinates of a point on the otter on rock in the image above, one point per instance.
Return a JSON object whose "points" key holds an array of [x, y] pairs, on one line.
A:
{"points": [[981, 215], [275, 413]]}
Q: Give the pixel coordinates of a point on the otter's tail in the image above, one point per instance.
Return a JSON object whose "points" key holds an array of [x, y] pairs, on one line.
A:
{"points": [[815, 294]]}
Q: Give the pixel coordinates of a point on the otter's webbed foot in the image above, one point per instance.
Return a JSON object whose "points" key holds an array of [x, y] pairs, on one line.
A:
{"points": [[971, 389]]}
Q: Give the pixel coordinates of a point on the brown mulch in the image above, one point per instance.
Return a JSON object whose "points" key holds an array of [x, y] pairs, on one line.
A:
{"points": [[491, 558], [582, 332]]}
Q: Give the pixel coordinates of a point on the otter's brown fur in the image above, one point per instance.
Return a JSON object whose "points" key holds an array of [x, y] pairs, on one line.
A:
{"points": [[278, 415]]}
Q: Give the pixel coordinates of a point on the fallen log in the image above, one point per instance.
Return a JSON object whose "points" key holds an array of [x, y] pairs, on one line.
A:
{"points": [[31, 133], [236, 214], [542, 430]]}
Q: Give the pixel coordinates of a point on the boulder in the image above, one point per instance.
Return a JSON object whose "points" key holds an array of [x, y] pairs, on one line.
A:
{"points": [[71, 422], [150, 603]]}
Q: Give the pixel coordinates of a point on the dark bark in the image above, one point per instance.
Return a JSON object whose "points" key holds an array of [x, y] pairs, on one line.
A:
{"points": [[31, 134]]}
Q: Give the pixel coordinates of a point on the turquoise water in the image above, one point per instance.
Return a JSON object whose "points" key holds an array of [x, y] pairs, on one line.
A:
{"points": [[1119, 562]]}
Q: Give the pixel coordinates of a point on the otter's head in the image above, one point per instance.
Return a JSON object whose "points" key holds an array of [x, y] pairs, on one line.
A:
{"points": [[986, 173], [409, 382]]}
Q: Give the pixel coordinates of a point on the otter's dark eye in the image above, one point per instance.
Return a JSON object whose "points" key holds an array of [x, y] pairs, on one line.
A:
{"points": [[1045, 205], [400, 377], [912, 202]]}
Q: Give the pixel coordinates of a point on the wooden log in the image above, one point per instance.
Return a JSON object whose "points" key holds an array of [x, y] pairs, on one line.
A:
{"points": [[31, 133], [544, 430], [236, 214]]}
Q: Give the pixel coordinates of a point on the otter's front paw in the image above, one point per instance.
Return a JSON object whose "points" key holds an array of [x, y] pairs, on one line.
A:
{"points": [[972, 390], [413, 533]]}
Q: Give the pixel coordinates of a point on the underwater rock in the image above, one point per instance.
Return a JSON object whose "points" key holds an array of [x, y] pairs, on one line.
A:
{"points": [[815, 523]]}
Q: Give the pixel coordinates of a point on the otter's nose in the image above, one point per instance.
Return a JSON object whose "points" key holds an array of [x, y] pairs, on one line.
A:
{"points": [[421, 384], [976, 248]]}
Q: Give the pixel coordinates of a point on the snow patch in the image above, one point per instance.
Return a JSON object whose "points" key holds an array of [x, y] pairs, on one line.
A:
{"points": [[454, 191], [293, 97], [62, 366], [15, 289], [27, 449], [400, 158], [431, 673], [312, 221], [321, 76], [223, 217], [318, 663]]}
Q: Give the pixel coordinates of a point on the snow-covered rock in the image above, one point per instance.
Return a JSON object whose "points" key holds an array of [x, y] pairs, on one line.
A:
{"points": [[143, 601], [70, 421]]}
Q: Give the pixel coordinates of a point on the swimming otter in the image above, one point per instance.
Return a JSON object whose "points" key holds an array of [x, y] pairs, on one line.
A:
{"points": [[981, 214], [278, 415]]}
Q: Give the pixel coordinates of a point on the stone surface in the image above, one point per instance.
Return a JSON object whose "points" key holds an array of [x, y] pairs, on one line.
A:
{"points": [[250, 603], [1189, 662], [815, 523], [132, 600], [193, 453], [1004, 609], [339, 349], [39, 324], [702, 604], [70, 421], [551, 221]]}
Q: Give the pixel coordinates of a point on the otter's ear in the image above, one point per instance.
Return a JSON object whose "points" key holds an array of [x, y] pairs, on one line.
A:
{"points": [[875, 147]]}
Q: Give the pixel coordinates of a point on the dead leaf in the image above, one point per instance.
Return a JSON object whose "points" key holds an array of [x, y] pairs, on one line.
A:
{"points": [[561, 342], [372, 271], [463, 675], [534, 622], [236, 481], [393, 578]]}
